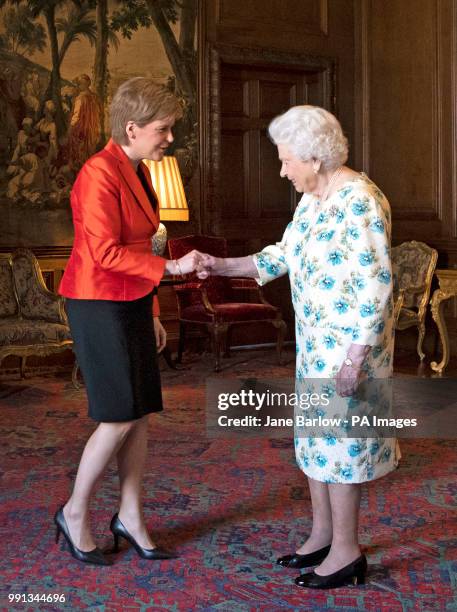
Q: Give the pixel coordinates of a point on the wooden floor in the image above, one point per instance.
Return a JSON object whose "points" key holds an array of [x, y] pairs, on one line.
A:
{"points": [[406, 362]]}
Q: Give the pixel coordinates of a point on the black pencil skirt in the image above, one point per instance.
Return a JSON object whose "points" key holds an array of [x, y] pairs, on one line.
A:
{"points": [[115, 346]]}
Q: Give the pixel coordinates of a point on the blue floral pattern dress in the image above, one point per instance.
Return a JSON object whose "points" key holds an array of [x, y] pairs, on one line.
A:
{"points": [[337, 255]]}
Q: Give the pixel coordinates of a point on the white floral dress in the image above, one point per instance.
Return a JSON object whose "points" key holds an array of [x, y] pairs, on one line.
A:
{"points": [[337, 255]]}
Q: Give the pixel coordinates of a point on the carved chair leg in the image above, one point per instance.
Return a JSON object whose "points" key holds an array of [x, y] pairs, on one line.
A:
{"points": [[23, 360], [228, 339], [436, 340], [282, 330], [219, 340], [420, 340], [182, 340]]}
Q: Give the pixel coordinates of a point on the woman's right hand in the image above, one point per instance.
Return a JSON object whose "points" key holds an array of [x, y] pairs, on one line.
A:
{"points": [[186, 264], [191, 262]]}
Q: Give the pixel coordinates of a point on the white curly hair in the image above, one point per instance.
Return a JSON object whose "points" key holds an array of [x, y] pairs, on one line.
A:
{"points": [[311, 132]]}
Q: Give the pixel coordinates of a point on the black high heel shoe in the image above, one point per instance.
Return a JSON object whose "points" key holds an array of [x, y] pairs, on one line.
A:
{"points": [[354, 573], [119, 530], [299, 561], [95, 556]]}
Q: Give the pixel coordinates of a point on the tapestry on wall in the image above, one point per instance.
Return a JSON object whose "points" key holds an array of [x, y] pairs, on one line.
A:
{"points": [[60, 62]]}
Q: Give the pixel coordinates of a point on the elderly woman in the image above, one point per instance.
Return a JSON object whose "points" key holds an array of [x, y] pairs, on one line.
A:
{"points": [[110, 284], [336, 252]]}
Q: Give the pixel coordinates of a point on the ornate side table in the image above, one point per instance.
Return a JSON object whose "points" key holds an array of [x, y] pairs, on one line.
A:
{"points": [[447, 288]]}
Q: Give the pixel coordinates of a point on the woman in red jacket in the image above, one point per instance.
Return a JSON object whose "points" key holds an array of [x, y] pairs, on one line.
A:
{"points": [[110, 284]]}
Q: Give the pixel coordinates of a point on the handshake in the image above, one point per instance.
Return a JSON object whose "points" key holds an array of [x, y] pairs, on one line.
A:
{"points": [[201, 263]]}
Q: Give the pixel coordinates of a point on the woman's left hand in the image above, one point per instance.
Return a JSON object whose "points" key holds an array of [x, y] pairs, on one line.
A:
{"points": [[160, 334]]}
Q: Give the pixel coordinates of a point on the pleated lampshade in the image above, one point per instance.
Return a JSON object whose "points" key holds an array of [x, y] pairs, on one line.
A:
{"points": [[168, 186]]}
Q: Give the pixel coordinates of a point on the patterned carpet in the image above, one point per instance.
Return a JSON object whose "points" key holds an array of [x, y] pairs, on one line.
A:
{"points": [[230, 507]]}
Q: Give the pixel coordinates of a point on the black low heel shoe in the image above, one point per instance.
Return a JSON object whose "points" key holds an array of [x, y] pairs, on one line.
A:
{"points": [[94, 556], [299, 561], [354, 573], [119, 530]]}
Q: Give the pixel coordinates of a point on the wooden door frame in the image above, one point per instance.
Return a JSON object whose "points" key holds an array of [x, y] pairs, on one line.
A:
{"points": [[211, 60]]}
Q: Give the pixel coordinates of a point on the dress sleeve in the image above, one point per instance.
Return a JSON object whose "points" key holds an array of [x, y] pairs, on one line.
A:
{"points": [[367, 237], [271, 261]]}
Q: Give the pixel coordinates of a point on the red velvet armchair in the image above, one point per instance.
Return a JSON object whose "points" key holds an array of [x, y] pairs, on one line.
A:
{"points": [[211, 304]]}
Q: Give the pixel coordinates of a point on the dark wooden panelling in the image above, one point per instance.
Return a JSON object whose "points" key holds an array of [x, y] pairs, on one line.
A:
{"points": [[403, 105], [406, 107], [234, 98], [234, 201], [250, 185], [293, 38], [274, 96], [276, 196], [295, 77], [288, 15], [406, 117]]}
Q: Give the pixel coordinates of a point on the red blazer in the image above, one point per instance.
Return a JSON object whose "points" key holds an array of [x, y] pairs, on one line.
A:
{"points": [[114, 222]]}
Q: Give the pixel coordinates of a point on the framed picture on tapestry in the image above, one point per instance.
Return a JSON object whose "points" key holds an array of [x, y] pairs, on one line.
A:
{"points": [[60, 62]]}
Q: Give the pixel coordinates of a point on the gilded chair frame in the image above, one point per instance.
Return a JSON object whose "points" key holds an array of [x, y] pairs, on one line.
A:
{"points": [[57, 306], [409, 317], [398, 305]]}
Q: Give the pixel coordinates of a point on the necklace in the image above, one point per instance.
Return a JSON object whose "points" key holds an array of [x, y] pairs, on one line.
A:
{"points": [[331, 182]]}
